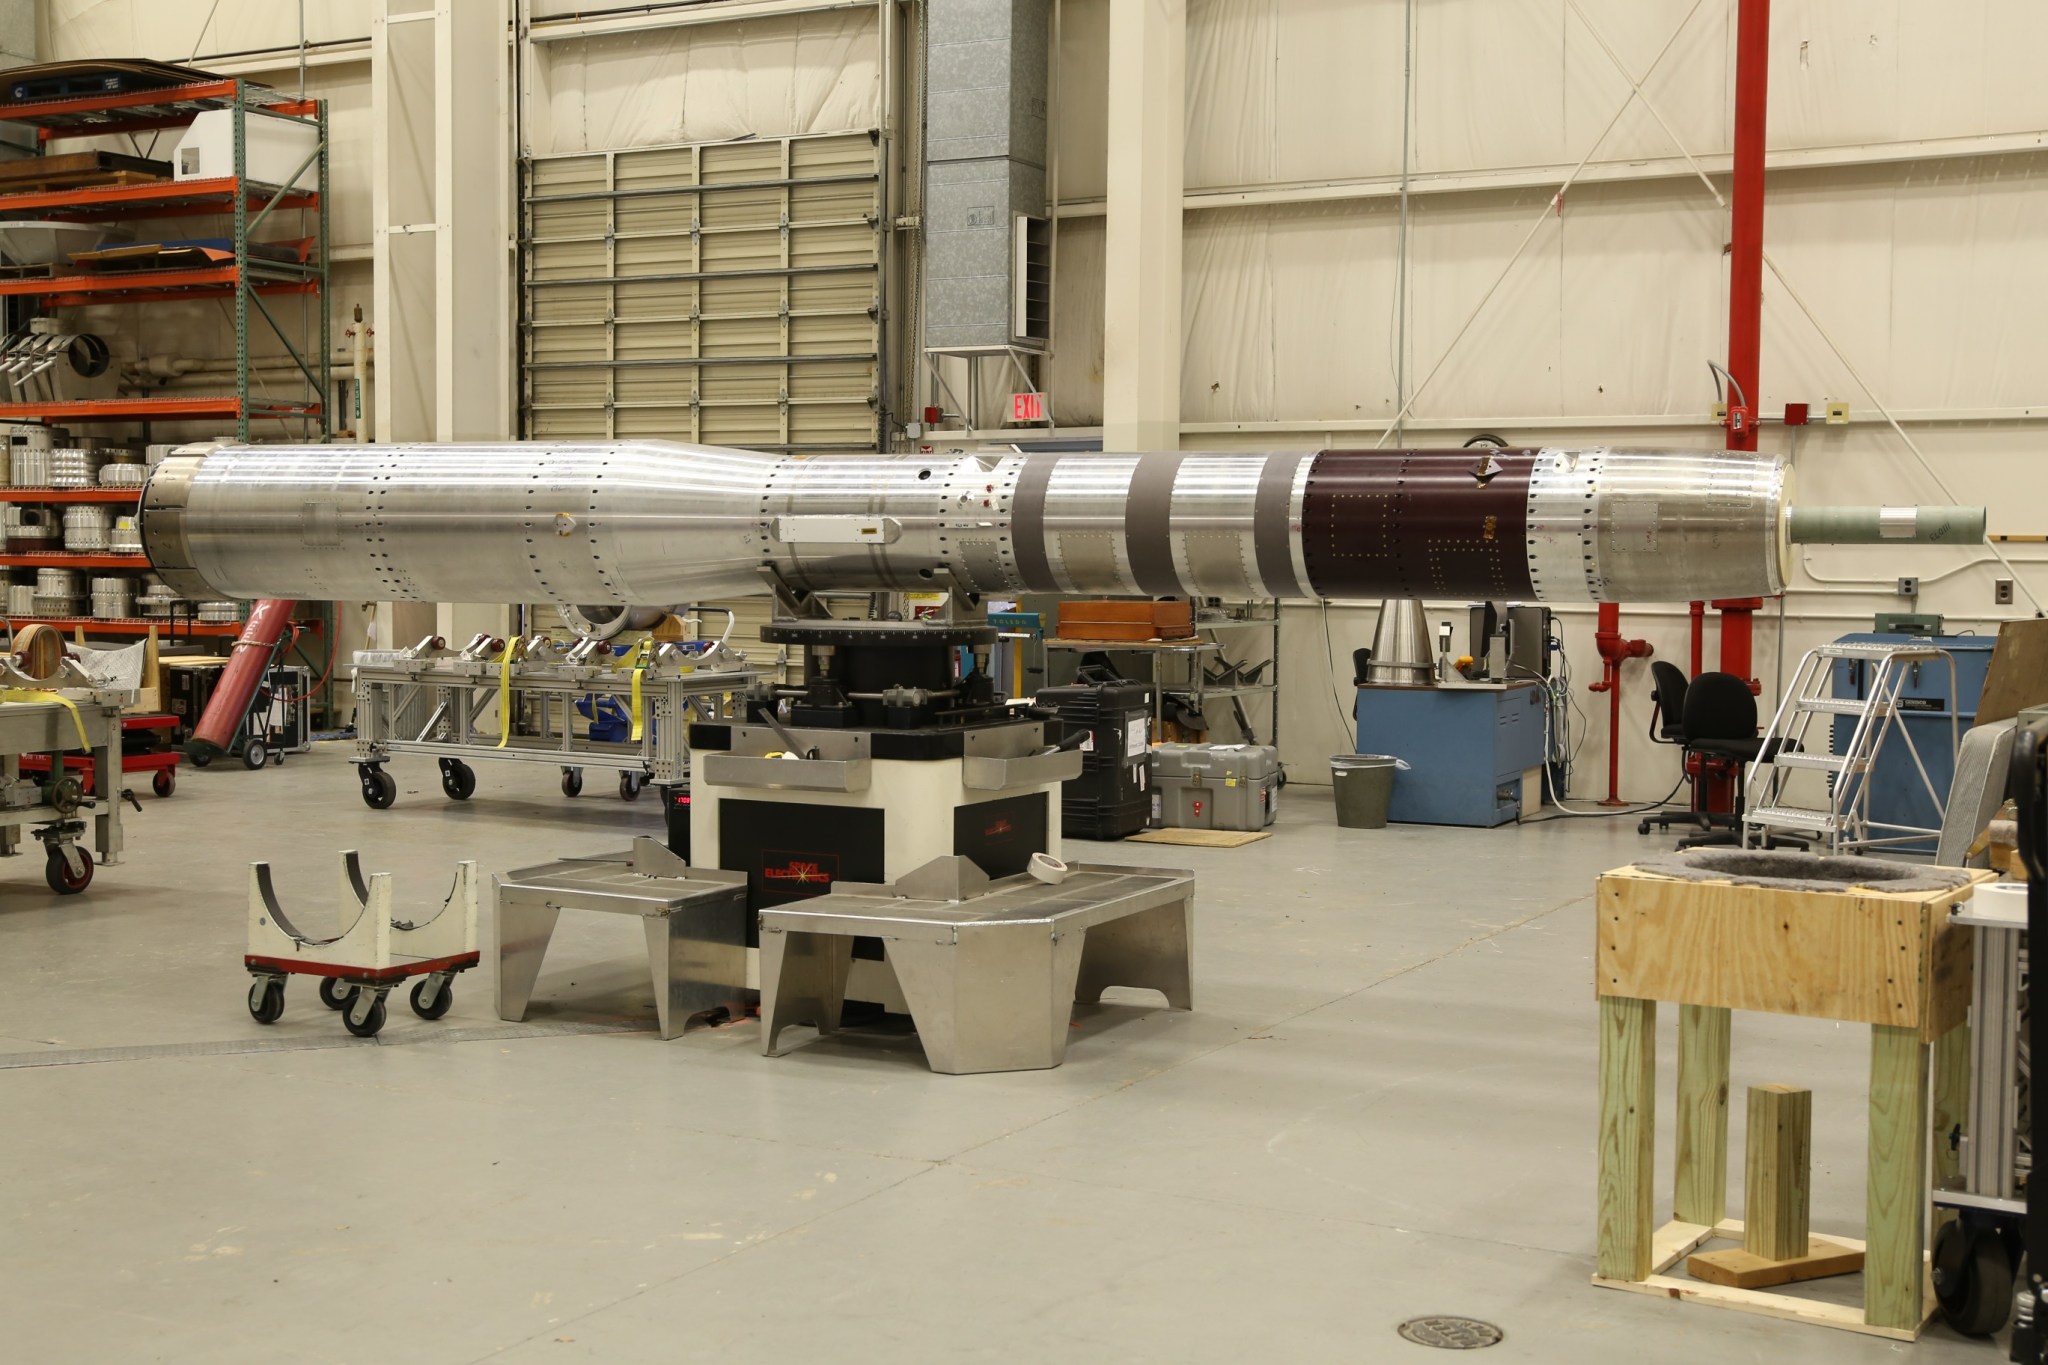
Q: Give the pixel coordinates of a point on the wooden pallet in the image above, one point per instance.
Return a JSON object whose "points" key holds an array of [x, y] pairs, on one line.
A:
{"points": [[1675, 1241], [1201, 838], [80, 180]]}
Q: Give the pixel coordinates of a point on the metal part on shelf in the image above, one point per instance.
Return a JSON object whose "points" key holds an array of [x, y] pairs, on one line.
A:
{"points": [[75, 467], [86, 527]]}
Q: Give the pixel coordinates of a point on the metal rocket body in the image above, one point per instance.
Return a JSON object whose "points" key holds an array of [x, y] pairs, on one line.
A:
{"points": [[651, 522]]}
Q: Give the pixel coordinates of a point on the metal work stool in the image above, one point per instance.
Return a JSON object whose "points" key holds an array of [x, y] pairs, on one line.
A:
{"points": [[990, 969], [695, 918]]}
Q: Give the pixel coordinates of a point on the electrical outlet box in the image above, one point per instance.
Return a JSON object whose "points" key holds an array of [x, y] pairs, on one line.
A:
{"points": [[1909, 587], [1838, 414], [1720, 412], [2001, 591]]}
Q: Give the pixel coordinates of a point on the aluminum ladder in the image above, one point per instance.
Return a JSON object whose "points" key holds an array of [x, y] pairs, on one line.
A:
{"points": [[1842, 823]]}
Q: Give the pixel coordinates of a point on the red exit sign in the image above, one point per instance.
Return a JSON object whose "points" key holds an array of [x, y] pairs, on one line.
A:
{"points": [[1027, 407]]}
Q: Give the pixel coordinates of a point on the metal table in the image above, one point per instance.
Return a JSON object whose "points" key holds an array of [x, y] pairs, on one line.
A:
{"points": [[46, 727], [695, 919], [990, 969]]}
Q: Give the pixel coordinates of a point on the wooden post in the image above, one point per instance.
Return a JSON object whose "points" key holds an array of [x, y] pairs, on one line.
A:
{"points": [[1700, 1184], [1896, 1215], [1628, 1135], [1776, 1194]]}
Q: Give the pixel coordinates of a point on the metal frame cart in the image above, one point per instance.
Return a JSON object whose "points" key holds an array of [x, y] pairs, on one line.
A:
{"points": [[2029, 788], [360, 965], [430, 699], [1978, 1250], [61, 814]]}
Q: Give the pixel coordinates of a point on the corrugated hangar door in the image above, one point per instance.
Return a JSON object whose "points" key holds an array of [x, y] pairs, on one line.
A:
{"points": [[725, 293]]}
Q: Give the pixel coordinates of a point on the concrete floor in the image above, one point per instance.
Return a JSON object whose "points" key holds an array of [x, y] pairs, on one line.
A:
{"points": [[1383, 1106]]}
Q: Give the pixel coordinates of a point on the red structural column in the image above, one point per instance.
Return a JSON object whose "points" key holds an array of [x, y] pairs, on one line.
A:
{"points": [[1745, 315], [1746, 283]]}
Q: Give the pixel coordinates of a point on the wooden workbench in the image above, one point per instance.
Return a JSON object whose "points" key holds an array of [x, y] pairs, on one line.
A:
{"points": [[1890, 960]]}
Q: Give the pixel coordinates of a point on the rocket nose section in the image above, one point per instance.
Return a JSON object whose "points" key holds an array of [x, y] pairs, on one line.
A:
{"points": [[163, 510]]}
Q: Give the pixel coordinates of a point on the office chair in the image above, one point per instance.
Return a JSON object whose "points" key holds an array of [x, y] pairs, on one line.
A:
{"points": [[1717, 732], [1667, 726]]}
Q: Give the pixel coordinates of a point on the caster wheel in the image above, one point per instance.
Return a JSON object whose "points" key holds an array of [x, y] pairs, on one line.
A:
{"points": [[1973, 1280], [441, 1001], [57, 872], [255, 755], [165, 782], [1643, 827], [370, 1026], [266, 1000], [572, 782], [334, 992], [630, 786], [458, 780], [199, 760], [380, 789]]}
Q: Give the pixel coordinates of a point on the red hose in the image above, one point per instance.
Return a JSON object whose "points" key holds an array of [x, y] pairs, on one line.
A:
{"points": [[215, 733]]}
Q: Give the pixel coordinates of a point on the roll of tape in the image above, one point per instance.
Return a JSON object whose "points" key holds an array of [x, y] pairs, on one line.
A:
{"points": [[1047, 869]]}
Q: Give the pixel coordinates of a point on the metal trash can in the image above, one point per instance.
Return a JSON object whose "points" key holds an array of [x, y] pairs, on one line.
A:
{"points": [[1364, 784]]}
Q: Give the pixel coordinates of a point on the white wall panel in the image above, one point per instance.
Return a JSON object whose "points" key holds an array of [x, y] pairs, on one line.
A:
{"points": [[774, 77], [1689, 86], [1624, 242], [1081, 99], [1973, 68], [1490, 83], [1969, 282], [173, 32], [1510, 361]]}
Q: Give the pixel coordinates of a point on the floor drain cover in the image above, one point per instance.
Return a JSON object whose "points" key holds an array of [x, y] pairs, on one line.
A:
{"points": [[1451, 1334]]}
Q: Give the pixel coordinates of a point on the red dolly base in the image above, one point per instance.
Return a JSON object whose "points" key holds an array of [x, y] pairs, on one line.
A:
{"points": [[358, 992]]}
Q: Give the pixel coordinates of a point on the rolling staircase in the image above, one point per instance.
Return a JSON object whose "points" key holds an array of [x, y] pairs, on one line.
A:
{"points": [[1792, 746]]}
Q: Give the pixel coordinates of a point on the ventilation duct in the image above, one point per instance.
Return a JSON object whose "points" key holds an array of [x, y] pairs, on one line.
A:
{"points": [[987, 242]]}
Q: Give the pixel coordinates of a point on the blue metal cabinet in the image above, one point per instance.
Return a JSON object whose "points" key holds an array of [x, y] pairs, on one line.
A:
{"points": [[1467, 748], [1897, 795]]}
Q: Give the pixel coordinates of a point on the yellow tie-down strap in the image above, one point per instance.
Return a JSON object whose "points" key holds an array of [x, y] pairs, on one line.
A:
{"points": [[642, 660], [505, 691], [29, 694]]}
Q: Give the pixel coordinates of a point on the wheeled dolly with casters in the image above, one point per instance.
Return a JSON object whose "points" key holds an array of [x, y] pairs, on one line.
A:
{"points": [[360, 966]]}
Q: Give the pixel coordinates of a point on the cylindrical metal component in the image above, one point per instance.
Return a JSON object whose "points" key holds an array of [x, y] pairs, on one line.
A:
{"points": [[1881, 525], [86, 527], [75, 467], [648, 523], [1400, 655], [215, 732]]}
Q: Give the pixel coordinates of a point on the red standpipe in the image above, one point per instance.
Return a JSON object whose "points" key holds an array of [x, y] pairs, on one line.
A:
{"points": [[1745, 320], [1614, 648], [267, 623]]}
